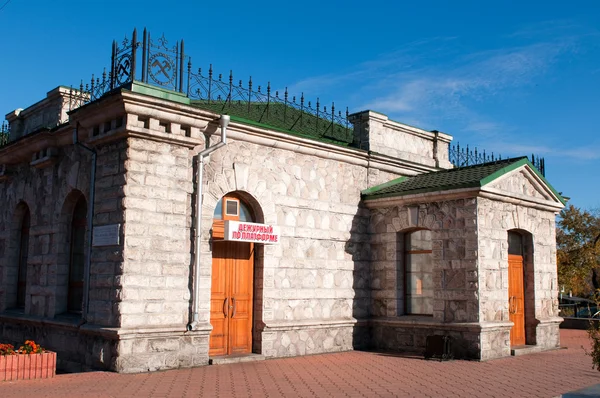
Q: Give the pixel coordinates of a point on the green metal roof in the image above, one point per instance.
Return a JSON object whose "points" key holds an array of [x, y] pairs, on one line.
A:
{"points": [[283, 118], [463, 177]]}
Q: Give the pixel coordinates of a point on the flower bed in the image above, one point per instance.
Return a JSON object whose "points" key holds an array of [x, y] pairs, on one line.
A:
{"points": [[28, 362]]}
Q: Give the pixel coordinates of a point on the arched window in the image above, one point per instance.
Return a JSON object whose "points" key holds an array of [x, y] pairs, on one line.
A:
{"points": [[235, 210], [418, 273], [77, 259], [23, 254], [229, 207]]}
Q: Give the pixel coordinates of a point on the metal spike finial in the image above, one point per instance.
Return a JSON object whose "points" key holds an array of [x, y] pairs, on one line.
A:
{"points": [[249, 95], [210, 73], [230, 86], [220, 76], [268, 89], [259, 89], [285, 95]]}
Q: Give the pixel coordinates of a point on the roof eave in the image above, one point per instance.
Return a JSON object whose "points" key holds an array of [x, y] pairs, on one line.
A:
{"points": [[421, 197]]}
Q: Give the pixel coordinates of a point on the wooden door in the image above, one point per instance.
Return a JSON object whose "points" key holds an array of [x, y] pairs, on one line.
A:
{"points": [[231, 298], [516, 299]]}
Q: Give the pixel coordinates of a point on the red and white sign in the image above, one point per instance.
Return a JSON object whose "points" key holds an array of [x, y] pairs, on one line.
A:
{"points": [[238, 231]]}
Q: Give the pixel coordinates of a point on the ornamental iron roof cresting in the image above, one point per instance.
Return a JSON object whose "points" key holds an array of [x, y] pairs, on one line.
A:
{"points": [[461, 157], [168, 67]]}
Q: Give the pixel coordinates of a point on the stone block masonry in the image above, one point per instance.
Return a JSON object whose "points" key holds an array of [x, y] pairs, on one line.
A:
{"points": [[335, 280]]}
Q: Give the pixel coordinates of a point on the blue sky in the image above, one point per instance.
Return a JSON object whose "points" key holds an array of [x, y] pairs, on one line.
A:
{"points": [[509, 77]]}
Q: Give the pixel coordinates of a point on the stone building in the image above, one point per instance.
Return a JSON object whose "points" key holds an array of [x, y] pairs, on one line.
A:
{"points": [[324, 234]]}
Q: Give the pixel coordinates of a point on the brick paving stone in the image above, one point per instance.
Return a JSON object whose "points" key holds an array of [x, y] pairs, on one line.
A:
{"points": [[347, 374]]}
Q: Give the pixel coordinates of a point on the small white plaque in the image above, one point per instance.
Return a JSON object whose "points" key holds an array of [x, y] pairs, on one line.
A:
{"points": [[106, 235]]}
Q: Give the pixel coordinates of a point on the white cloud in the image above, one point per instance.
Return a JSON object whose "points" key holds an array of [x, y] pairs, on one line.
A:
{"points": [[432, 81], [581, 153]]}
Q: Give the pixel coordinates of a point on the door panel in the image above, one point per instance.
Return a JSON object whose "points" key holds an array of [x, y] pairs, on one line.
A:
{"points": [[231, 298], [516, 299], [241, 296], [219, 307]]}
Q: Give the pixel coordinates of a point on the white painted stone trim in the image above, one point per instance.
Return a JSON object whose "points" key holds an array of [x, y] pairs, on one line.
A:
{"points": [[308, 324]]}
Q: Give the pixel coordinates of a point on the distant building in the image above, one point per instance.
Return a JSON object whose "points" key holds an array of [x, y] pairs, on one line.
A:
{"points": [[317, 232]]}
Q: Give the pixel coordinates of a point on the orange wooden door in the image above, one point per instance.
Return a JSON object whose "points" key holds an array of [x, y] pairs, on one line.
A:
{"points": [[516, 299], [231, 298]]}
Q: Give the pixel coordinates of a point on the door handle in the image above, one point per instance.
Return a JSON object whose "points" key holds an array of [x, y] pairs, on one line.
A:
{"points": [[512, 305], [234, 306], [225, 307]]}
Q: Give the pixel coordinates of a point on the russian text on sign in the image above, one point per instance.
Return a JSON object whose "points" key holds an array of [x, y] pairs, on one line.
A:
{"points": [[238, 231]]}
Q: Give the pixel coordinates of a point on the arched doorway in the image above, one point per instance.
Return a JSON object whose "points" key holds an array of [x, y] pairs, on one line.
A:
{"points": [[516, 288], [232, 278]]}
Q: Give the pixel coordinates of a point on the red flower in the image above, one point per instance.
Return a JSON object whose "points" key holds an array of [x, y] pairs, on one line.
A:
{"points": [[30, 348], [7, 349]]}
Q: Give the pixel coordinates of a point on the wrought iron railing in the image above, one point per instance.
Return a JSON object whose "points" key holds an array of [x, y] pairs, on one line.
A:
{"points": [[4, 134], [464, 156], [264, 107], [163, 66]]}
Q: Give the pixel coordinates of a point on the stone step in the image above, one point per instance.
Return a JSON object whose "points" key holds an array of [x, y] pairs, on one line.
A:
{"points": [[525, 349], [223, 360]]}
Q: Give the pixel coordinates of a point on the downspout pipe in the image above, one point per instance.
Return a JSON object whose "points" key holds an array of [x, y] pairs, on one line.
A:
{"points": [[223, 122], [90, 219]]}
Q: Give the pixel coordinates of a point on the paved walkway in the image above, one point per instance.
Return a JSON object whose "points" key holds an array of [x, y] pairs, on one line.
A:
{"points": [[349, 374]]}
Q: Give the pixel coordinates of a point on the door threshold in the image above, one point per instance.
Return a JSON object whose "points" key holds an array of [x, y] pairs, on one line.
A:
{"points": [[236, 358], [524, 350]]}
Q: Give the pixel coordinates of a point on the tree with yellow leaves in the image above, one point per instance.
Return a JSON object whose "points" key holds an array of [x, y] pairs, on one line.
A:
{"points": [[578, 250]]}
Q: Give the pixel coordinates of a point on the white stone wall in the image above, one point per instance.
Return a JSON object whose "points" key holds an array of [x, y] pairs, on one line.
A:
{"points": [[454, 241], [309, 291], [470, 272], [495, 219], [157, 252], [45, 191], [47, 113], [373, 131], [309, 281], [50, 191]]}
